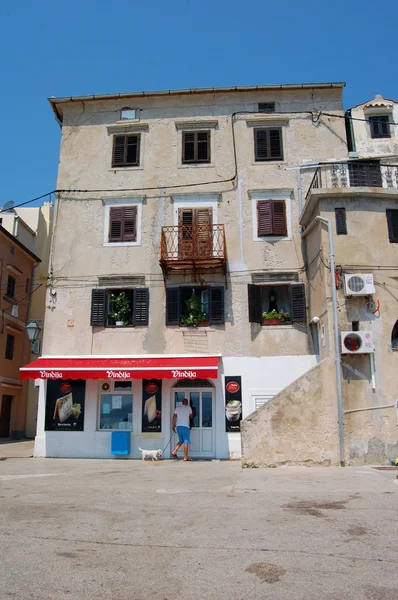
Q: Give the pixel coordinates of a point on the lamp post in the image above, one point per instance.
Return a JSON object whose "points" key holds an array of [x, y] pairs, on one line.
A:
{"points": [[33, 331]]}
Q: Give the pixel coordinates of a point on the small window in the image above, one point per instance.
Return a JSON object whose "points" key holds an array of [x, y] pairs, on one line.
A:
{"points": [[392, 222], [10, 286], [195, 147], [341, 221], [189, 306], [10, 347], [271, 218], [277, 304], [128, 113], [380, 126], [394, 337], [123, 224], [116, 406], [126, 150], [266, 107], [268, 144], [120, 307]]}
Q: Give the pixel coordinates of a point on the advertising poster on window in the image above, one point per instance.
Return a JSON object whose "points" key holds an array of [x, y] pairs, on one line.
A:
{"points": [[65, 405], [151, 405], [233, 403]]}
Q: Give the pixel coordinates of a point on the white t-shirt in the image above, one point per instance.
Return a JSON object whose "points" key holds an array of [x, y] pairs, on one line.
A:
{"points": [[183, 413]]}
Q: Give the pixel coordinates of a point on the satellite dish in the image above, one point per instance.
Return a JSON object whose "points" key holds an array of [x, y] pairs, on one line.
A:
{"points": [[7, 206]]}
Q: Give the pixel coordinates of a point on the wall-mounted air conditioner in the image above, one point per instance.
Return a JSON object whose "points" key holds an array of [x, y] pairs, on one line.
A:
{"points": [[357, 342], [359, 284]]}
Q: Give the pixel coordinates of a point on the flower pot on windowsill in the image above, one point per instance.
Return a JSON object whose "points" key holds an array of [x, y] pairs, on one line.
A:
{"points": [[272, 321], [203, 323]]}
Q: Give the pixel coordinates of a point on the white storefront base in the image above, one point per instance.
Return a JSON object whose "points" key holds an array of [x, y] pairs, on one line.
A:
{"points": [[262, 378]]}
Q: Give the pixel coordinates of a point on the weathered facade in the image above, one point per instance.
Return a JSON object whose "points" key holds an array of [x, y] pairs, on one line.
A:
{"points": [[172, 197], [358, 197]]}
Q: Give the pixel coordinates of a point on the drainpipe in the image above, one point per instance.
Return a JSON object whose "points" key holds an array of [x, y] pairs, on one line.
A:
{"points": [[328, 223]]}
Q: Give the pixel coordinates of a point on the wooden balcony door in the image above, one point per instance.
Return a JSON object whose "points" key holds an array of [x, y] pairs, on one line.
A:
{"points": [[195, 233]]}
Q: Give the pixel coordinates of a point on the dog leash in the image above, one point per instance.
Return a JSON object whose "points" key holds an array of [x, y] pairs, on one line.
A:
{"points": [[168, 443]]}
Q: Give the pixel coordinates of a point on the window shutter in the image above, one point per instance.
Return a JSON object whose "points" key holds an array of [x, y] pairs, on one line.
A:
{"points": [[203, 145], [264, 218], [129, 233], [119, 144], [141, 306], [216, 305], [116, 224], [132, 151], [255, 312], [341, 221], [261, 144], [98, 298], [297, 302], [392, 220], [173, 309], [275, 142], [279, 225], [188, 147]]}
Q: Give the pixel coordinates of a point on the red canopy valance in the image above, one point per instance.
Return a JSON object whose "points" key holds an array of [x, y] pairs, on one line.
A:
{"points": [[122, 368]]}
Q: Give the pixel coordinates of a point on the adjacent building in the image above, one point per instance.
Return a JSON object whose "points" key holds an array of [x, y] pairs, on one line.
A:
{"points": [[178, 268]]}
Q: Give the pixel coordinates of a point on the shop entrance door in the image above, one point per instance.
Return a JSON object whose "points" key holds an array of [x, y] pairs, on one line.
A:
{"points": [[5, 416], [203, 426]]}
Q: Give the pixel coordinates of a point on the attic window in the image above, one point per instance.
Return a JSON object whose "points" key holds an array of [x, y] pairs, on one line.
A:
{"points": [[266, 107], [128, 113]]}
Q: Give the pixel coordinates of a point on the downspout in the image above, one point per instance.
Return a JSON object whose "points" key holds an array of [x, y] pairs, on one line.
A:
{"points": [[328, 223], [349, 132]]}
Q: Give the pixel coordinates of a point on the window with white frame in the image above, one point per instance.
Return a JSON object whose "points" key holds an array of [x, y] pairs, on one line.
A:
{"points": [[271, 214], [122, 225], [116, 405]]}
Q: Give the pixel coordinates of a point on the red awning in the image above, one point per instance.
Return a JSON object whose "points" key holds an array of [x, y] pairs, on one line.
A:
{"points": [[120, 368]]}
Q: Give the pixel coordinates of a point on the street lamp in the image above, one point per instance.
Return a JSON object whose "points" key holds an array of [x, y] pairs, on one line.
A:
{"points": [[33, 331]]}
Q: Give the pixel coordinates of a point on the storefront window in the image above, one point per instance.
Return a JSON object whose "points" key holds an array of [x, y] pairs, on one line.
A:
{"points": [[116, 406]]}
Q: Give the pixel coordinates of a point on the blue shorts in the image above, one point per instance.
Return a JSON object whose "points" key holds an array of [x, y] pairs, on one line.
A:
{"points": [[184, 435]]}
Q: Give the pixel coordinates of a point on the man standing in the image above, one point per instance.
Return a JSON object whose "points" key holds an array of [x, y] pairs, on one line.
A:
{"points": [[181, 417]]}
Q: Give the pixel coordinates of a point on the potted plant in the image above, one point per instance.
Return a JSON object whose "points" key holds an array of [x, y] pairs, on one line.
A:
{"points": [[274, 317], [120, 309], [194, 315]]}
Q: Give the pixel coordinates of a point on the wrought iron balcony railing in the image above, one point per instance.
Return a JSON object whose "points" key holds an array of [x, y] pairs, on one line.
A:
{"points": [[355, 174], [187, 247]]}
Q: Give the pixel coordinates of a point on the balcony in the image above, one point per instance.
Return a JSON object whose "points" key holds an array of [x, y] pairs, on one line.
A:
{"points": [[193, 248], [354, 174]]}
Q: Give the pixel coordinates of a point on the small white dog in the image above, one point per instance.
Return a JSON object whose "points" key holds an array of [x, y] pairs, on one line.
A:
{"points": [[153, 454]]}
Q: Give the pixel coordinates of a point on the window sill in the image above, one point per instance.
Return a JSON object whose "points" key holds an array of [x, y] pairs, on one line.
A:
{"points": [[277, 161], [196, 165], [124, 244], [275, 238], [9, 299], [126, 168], [282, 326]]}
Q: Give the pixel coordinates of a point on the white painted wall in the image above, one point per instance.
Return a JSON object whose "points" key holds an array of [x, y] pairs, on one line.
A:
{"points": [[260, 376]]}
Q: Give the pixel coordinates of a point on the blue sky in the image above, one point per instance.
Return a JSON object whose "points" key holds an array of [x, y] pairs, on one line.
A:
{"points": [[82, 47]]}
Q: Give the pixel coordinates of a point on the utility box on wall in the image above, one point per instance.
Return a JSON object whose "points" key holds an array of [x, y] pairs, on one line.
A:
{"points": [[120, 443]]}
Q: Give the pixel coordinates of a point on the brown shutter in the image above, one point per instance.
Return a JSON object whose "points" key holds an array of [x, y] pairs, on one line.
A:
{"points": [[129, 229], [255, 312], [275, 143], [297, 302], [119, 144], [260, 144], [341, 221], [188, 147], [173, 306], [116, 224], [264, 218], [279, 225], [185, 240], [98, 298], [392, 221], [203, 146], [141, 306], [203, 218], [216, 305]]}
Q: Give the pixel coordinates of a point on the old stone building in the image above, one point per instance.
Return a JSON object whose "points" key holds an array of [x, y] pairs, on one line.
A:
{"points": [[186, 262]]}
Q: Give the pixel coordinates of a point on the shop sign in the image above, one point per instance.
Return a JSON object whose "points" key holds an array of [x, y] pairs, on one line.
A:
{"points": [[151, 405], [184, 374], [50, 375], [118, 375], [233, 403], [65, 405]]}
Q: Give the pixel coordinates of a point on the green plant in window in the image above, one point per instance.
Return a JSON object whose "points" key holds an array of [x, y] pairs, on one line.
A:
{"points": [[276, 315], [120, 309], [193, 314]]}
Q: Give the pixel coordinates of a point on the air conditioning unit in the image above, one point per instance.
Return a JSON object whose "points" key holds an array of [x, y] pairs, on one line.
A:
{"points": [[359, 284], [357, 342]]}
